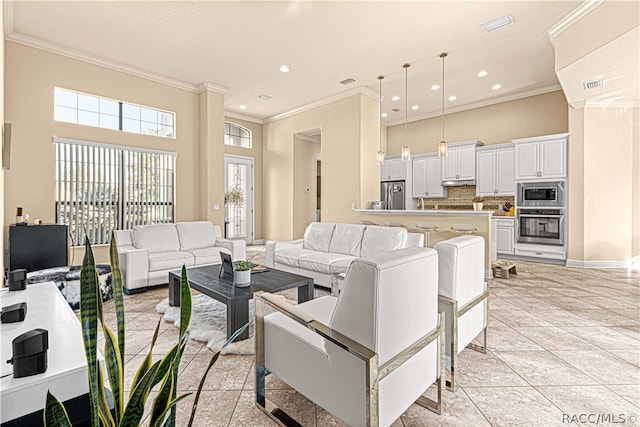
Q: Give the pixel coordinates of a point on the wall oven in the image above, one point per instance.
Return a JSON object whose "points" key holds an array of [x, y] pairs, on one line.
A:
{"points": [[540, 194], [541, 226]]}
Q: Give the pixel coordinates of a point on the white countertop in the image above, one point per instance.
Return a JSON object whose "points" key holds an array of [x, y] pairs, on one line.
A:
{"points": [[503, 217], [434, 212]]}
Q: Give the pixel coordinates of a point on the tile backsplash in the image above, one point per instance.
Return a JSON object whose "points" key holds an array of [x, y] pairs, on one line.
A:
{"points": [[461, 198]]}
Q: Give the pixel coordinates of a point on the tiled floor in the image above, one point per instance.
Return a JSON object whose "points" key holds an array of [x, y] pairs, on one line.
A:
{"points": [[563, 343]]}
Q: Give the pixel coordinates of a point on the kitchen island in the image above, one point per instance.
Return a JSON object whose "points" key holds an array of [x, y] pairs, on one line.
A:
{"points": [[443, 218]]}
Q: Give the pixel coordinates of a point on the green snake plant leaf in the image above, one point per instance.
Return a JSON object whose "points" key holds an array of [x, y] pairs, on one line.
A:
{"points": [[118, 299], [161, 421], [115, 370], [54, 413], [89, 322], [185, 302], [164, 397], [213, 360], [167, 361], [105, 414], [146, 363], [135, 407]]}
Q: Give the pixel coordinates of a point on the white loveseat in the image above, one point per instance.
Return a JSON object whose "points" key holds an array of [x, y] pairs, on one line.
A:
{"points": [[148, 252], [327, 249]]}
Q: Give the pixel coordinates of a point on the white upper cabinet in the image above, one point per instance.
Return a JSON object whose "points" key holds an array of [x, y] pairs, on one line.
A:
{"points": [[495, 170], [427, 176], [393, 169], [460, 163], [541, 157]]}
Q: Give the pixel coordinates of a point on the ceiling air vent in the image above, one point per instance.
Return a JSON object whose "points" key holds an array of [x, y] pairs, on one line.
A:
{"points": [[395, 110], [347, 81], [594, 84]]}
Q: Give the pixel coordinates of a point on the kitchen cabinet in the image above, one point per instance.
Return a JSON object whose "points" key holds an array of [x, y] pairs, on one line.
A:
{"points": [[393, 169], [495, 170], [505, 235], [542, 157], [427, 176], [460, 163]]}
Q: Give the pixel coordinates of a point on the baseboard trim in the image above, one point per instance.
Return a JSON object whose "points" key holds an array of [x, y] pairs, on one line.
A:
{"points": [[602, 264], [488, 274], [258, 242]]}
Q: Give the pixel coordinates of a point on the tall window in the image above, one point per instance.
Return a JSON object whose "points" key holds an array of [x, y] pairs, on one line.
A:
{"points": [[102, 188], [236, 135], [90, 110]]}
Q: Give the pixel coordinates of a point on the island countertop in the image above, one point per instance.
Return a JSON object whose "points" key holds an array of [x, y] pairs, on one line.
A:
{"points": [[445, 212]]}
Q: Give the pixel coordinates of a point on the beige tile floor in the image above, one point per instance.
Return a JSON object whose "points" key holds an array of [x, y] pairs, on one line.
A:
{"points": [[562, 342]]}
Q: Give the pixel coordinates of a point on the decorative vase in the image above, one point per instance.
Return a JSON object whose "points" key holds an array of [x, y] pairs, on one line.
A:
{"points": [[477, 206], [242, 278]]}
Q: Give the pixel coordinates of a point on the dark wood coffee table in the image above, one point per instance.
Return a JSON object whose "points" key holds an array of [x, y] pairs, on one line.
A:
{"points": [[205, 280]]}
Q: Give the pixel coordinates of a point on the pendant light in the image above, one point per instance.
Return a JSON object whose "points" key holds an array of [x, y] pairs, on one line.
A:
{"points": [[442, 145], [380, 155], [406, 150]]}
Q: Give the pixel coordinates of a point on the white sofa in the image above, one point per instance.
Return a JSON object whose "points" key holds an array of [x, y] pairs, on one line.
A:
{"points": [[327, 249], [149, 252]]}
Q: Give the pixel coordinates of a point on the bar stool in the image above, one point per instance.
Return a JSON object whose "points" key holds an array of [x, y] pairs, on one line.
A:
{"points": [[393, 224], [367, 222], [428, 229], [464, 228]]}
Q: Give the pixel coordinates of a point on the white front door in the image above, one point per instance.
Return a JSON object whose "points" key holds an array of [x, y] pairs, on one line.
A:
{"points": [[238, 174]]}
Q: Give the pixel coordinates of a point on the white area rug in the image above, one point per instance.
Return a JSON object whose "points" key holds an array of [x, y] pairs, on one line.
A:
{"points": [[209, 324]]}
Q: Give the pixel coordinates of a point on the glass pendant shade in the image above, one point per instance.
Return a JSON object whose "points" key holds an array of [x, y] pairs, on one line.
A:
{"points": [[442, 145], [380, 154], [406, 150], [442, 149], [406, 153]]}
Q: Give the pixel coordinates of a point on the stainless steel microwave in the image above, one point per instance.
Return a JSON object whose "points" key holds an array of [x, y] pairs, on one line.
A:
{"points": [[541, 194]]}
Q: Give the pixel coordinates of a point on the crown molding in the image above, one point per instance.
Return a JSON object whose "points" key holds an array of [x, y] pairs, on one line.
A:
{"points": [[493, 101], [243, 117], [324, 101], [212, 87], [70, 53], [574, 16]]}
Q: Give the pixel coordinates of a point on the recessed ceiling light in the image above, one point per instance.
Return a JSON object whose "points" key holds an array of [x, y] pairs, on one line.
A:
{"points": [[384, 115], [498, 23], [496, 86], [243, 107], [415, 107], [284, 69], [453, 98], [435, 87], [482, 74], [395, 98]]}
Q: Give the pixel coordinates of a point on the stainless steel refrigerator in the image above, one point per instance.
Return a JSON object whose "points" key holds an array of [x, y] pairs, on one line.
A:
{"points": [[392, 192]]}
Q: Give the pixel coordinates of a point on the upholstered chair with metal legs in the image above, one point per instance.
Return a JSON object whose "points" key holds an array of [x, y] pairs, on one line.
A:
{"points": [[365, 356], [464, 297]]}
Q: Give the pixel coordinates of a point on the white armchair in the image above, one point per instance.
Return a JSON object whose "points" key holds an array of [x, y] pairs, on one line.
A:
{"points": [[380, 343], [464, 296]]}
